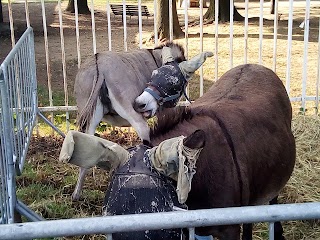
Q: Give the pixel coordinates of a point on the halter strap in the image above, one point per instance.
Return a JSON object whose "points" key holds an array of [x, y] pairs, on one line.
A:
{"points": [[160, 99]]}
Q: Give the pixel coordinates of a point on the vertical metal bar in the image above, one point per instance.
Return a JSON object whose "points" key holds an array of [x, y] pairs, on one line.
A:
{"points": [[216, 36], [231, 34], [275, 36], [93, 25], [13, 41], [27, 12], [271, 230], [201, 47], [170, 20], [246, 23], [191, 234], [19, 131], [125, 43], [3, 161], [109, 26], [318, 72], [289, 46], [12, 100], [155, 16], [109, 236], [46, 47], [76, 19], [186, 21], [8, 149], [305, 56], [186, 24], [260, 31], [140, 23], [63, 53]]}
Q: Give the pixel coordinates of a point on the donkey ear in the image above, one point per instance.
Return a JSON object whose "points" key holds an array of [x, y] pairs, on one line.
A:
{"points": [[196, 140], [166, 55]]}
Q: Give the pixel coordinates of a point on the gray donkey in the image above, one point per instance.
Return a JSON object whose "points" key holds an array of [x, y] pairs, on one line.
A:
{"points": [[107, 85]]}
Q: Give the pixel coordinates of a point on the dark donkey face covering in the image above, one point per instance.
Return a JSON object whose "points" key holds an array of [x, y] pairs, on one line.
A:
{"points": [[137, 187], [170, 83]]}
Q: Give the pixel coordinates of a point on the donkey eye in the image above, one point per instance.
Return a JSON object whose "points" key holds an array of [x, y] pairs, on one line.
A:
{"points": [[142, 106]]}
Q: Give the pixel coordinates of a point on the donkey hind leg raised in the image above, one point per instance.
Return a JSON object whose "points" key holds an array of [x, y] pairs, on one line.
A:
{"points": [[95, 120], [127, 117]]}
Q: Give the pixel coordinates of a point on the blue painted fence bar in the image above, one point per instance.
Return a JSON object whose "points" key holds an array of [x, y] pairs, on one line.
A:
{"points": [[151, 221]]}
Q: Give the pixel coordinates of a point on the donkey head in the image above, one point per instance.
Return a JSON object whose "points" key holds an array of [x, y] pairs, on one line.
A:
{"points": [[168, 82]]}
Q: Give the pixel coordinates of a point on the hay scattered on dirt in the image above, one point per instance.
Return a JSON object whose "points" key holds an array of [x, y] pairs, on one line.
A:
{"points": [[304, 184]]}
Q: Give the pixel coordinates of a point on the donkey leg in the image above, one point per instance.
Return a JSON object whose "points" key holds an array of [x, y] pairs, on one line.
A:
{"points": [[231, 232], [141, 126], [278, 230], [77, 191], [95, 120], [247, 231]]}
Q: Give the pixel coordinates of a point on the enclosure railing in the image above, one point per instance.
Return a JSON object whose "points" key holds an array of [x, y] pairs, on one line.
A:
{"points": [[151, 221], [18, 113]]}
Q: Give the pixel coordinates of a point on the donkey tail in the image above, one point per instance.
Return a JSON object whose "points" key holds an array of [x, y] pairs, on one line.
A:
{"points": [[85, 115]]}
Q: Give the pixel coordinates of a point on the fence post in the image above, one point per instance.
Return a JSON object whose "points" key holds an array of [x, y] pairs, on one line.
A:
{"points": [[8, 161]]}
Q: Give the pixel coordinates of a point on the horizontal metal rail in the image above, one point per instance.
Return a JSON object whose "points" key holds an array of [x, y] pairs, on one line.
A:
{"points": [[182, 103], [152, 221]]}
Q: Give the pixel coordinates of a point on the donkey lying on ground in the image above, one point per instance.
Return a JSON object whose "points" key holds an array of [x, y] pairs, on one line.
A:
{"points": [[107, 85], [250, 150]]}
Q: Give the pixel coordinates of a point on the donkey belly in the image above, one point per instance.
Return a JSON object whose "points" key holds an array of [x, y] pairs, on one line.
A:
{"points": [[116, 120]]}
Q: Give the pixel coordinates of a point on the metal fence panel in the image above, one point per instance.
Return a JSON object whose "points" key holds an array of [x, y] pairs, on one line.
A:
{"points": [[19, 73], [17, 117]]}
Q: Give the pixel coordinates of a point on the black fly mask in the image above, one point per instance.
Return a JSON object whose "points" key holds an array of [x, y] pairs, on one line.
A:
{"points": [[137, 187], [167, 85]]}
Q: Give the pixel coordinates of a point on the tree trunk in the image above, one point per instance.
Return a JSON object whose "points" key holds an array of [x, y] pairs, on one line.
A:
{"points": [[82, 7], [272, 3], [163, 20], [1, 14], [224, 11]]}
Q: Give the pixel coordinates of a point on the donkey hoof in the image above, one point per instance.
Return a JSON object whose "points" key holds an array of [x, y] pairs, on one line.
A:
{"points": [[75, 196]]}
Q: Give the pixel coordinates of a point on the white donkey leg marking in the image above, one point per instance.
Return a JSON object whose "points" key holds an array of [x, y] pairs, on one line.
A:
{"points": [[95, 120]]}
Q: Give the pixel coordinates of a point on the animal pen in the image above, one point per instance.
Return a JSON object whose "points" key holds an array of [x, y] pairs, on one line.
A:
{"points": [[19, 103]]}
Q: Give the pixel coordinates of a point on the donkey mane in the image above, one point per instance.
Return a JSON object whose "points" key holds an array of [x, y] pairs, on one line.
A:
{"points": [[168, 118], [175, 47]]}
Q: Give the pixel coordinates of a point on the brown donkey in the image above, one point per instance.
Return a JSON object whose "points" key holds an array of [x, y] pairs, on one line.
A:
{"points": [[249, 153]]}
